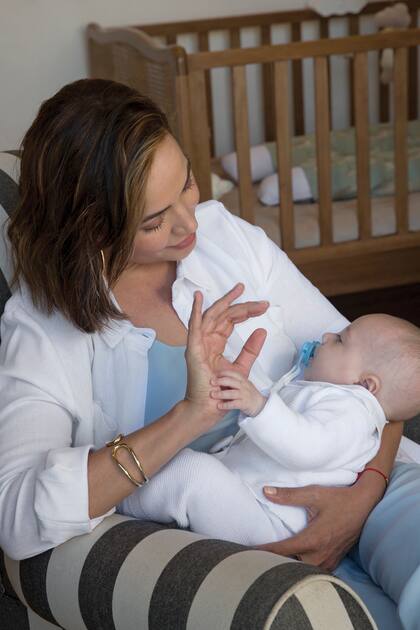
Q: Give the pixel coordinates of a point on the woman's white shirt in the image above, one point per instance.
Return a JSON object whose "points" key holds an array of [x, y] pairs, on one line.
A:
{"points": [[64, 392]]}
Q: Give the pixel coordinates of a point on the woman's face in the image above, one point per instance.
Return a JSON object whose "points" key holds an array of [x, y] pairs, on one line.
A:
{"points": [[167, 230]]}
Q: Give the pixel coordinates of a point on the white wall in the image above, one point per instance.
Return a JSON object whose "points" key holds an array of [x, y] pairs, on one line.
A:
{"points": [[42, 44], [42, 47]]}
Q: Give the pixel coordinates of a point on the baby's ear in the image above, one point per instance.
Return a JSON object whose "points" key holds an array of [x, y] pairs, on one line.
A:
{"points": [[370, 382]]}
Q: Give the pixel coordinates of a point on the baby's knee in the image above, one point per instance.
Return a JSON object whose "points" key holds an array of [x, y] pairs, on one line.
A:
{"points": [[196, 468]]}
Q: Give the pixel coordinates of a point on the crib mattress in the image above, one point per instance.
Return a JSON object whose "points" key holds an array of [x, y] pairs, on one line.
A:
{"points": [[263, 162], [344, 218]]}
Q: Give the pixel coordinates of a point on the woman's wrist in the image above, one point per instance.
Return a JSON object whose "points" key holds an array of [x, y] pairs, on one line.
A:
{"points": [[195, 416]]}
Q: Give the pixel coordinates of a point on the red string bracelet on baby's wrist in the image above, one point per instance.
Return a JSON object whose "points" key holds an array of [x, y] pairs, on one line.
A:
{"points": [[374, 470]]}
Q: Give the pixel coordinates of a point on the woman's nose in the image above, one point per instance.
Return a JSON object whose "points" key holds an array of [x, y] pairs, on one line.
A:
{"points": [[327, 337], [186, 222]]}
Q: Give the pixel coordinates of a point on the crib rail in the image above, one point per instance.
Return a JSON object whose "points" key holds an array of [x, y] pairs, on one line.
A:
{"points": [[304, 50], [319, 51], [231, 22], [296, 20]]}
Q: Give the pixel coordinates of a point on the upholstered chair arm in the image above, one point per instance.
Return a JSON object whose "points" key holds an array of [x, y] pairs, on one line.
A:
{"points": [[133, 575]]}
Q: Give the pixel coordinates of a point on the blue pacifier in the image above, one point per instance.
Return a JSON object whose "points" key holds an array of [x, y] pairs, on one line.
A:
{"points": [[306, 354]]}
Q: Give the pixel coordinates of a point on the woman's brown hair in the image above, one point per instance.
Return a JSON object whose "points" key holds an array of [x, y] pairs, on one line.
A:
{"points": [[85, 162]]}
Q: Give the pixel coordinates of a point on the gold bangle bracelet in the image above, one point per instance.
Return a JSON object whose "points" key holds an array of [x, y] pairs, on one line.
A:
{"points": [[116, 444]]}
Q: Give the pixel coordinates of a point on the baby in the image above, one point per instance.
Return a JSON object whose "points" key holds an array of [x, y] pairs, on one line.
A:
{"points": [[320, 430]]}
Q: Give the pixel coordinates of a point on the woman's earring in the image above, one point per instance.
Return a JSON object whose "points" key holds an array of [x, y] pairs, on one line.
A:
{"points": [[103, 263]]}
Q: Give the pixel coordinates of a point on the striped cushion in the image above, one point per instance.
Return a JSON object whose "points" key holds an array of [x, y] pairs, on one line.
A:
{"points": [[9, 173], [135, 575]]}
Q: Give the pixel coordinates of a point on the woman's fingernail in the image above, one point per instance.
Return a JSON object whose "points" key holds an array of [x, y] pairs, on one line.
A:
{"points": [[269, 490]]}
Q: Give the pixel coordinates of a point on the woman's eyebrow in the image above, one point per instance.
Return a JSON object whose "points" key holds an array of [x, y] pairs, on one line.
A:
{"points": [[156, 214]]}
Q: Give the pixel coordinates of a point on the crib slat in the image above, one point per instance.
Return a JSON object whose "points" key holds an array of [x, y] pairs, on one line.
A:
{"points": [[383, 95], [204, 46], [413, 65], [284, 154], [297, 73], [267, 76], [323, 28], [361, 107], [413, 89], [400, 130], [183, 107], [353, 24], [203, 41], [324, 33], [323, 154], [235, 38], [200, 136], [240, 116]]}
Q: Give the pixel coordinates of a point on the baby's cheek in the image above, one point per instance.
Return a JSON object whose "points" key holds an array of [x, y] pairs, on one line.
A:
{"points": [[317, 370]]}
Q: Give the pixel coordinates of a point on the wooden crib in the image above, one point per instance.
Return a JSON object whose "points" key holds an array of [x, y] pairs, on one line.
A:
{"points": [[180, 83]]}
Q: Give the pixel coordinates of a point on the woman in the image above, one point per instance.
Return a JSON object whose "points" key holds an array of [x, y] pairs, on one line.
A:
{"points": [[112, 257]]}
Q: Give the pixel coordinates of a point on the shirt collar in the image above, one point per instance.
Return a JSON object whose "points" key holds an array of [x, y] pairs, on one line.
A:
{"points": [[115, 329], [191, 268]]}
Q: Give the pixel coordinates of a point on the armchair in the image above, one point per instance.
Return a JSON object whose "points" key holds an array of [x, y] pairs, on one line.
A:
{"points": [[129, 574]]}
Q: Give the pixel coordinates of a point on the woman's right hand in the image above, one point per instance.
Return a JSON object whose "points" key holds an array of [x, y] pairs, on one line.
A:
{"points": [[208, 333]]}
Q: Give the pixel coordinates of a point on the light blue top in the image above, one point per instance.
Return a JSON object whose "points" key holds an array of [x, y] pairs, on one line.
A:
{"points": [[166, 384]]}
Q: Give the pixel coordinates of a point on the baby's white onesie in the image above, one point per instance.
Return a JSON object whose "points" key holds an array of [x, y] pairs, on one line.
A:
{"points": [[307, 433]]}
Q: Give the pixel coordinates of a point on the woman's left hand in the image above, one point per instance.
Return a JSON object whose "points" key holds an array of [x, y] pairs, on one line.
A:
{"points": [[335, 519]]}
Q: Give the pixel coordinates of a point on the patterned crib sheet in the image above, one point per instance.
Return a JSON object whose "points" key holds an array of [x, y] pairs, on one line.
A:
{"points": [[343, 160]]}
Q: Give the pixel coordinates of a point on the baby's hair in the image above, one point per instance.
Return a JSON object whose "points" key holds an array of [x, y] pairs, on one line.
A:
{"points": [[397, 357]]}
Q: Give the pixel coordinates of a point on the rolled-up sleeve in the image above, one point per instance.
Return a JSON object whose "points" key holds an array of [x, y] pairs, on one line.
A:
{"points": [[44, 497]]}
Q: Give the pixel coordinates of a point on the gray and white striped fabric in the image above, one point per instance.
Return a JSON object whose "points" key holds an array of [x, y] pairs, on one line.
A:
{"points": [[9, 174], [132, 575]]}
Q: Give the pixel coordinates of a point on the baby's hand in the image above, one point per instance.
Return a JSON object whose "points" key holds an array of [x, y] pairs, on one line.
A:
{"points": [[239, 393]]}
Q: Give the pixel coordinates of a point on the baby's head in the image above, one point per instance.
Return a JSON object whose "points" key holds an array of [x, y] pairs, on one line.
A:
{"points": [[379, 352]]}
